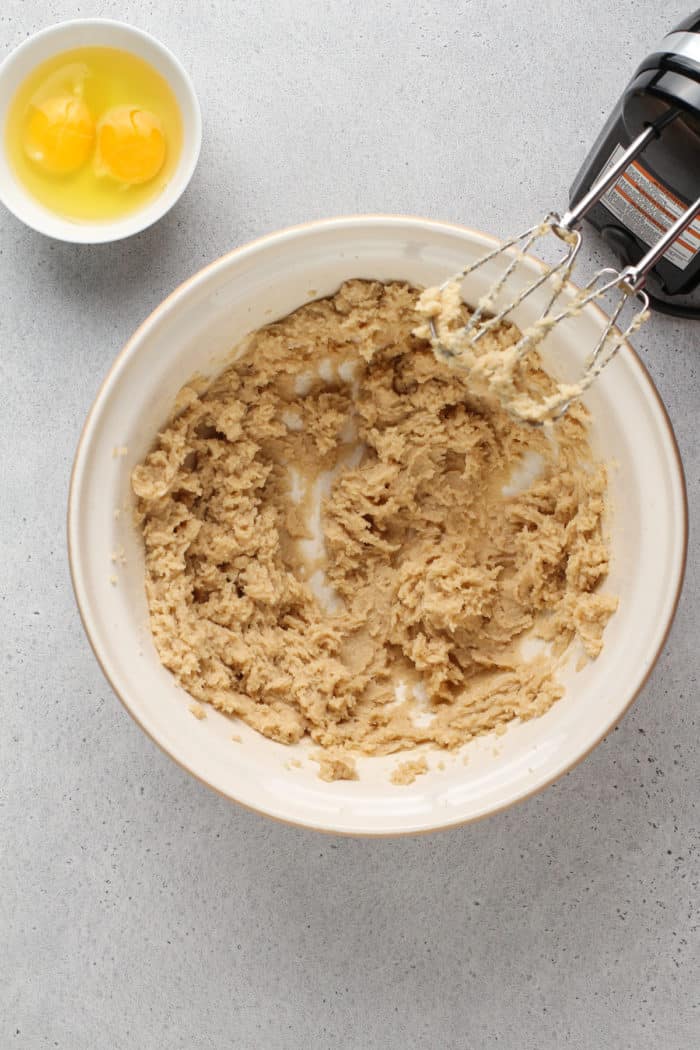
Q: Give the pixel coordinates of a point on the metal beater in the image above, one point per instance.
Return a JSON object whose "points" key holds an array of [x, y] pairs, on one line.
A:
{"points": [[621, 290]]}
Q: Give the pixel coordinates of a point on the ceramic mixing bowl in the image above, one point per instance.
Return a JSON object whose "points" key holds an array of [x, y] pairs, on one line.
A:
{"points": [[194, 330]]}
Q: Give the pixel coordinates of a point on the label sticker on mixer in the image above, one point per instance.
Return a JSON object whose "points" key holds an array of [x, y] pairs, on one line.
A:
{"points": [[647, 208]]}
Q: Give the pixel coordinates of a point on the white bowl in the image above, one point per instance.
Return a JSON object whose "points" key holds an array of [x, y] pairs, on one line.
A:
{"points": [[97, 32], [193, 330]]}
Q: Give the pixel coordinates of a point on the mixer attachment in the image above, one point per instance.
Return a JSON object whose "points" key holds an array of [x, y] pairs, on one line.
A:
{"points": [[618, 292]]}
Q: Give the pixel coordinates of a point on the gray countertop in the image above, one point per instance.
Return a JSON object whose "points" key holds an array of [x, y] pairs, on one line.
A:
{"points": [[137, 909]]}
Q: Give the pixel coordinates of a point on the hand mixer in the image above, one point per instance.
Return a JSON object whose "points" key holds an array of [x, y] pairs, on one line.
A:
{"points": [[661, 110]]}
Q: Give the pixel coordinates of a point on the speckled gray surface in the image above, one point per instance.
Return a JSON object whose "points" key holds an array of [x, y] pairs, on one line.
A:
{"points": [[136, 908]]}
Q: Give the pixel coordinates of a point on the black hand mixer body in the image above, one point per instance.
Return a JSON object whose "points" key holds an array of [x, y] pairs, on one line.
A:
{"points": [[658, 186]]}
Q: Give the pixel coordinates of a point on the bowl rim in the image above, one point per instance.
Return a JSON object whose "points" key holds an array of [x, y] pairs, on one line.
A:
{"points": [[130, 347], [140, 220]]}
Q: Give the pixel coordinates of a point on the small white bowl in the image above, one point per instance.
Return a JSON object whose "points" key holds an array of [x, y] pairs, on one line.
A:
{"points": [[97, 32], [193, 331]]}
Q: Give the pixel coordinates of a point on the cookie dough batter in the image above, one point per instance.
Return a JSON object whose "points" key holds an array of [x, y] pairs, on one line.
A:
{"points": [[448, 532], [335, 766], [497, 369], [406, 772]]}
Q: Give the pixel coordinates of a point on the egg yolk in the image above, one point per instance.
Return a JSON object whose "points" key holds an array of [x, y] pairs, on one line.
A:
{"points": [[59, 133], [130, 145]]}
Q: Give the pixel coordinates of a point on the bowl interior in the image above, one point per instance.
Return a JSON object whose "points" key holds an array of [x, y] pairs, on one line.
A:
{"points": [[194, 331], [97, 33]]}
